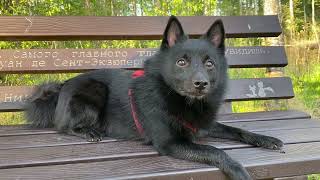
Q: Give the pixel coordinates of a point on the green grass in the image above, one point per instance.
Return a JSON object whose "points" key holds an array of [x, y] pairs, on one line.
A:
{"points": [[314, 177], [12, 118], [307, 91]]}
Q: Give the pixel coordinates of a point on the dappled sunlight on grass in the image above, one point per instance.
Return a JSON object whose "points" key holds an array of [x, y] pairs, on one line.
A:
{"points": [[12, 118]]}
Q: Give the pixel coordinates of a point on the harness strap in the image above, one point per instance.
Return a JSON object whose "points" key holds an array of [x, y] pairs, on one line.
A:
{"points": [[139, 127]]}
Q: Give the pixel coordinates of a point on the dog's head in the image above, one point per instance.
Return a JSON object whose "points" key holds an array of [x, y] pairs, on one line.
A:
{"points": [[193, 67]]}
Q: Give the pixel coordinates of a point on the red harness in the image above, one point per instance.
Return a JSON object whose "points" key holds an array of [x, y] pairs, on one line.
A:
{"points": [[137, 74]]}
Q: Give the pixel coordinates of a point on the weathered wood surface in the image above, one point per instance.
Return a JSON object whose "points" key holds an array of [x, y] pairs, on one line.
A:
{"points": [[262, 116], [94, 27], [12, 97], [89, 152], [78, 60], [259, 88], [304, 130], [69, 157], [21, 130], [298, 159]]}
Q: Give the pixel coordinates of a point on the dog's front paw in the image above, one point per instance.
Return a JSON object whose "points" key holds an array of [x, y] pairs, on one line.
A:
{"points": [[90, 134], [93, 136], [269, 142]]}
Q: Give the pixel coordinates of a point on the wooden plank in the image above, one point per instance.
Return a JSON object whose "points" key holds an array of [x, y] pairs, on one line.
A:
{"points": [[262, 116], [297, 135], [27, 131], [94, 27], [259, 89], [298, 159], [226, 118], [12, 97], [288, 136], [75, 153], [11, 106], [304, 177], [248, 57], [256, 126], [41, 140], [79, 60], [22, 130]]}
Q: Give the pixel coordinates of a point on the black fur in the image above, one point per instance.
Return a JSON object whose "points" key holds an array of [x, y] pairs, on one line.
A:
{"points": [[41, 105], [184, 81]]}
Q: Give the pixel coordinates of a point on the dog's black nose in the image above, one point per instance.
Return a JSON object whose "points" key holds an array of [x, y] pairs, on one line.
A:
{"points": [[200, 84]]}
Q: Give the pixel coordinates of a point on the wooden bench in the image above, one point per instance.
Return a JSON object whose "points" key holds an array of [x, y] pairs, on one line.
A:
{"points": [[43, 154]]}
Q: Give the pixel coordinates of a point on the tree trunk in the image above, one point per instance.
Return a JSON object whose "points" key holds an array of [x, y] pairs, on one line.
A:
{"points": [[291, 9], [272, 7], [304, 12], [313, 18], [314, 28], [87, 7], [291, 18]]}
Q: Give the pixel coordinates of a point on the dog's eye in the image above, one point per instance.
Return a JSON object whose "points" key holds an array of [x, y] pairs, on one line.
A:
{"points": [[209, 64], [181, 62]]}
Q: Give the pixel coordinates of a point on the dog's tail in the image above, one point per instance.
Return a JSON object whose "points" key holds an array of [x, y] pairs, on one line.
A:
{"points": [[40, 106]]}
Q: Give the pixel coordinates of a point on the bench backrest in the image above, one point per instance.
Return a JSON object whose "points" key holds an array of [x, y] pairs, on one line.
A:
{"points": [[37, 28]]}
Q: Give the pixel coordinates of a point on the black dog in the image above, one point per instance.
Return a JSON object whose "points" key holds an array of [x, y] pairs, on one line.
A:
{"points": [[167, 105]]}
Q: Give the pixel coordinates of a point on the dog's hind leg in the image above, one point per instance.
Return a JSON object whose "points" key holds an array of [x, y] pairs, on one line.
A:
{"points": [[223, 131], [86, 109]]}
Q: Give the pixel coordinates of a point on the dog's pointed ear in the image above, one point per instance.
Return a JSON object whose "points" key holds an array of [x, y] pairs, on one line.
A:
{"points": [[173, 33], [216, 34]]}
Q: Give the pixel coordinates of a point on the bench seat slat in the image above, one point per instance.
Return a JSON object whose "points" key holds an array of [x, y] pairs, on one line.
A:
{"points": [[95, 27], [256, 126], [299, 159], [263, 115], [284, 130], [41, 140], [18, 130], [110, 150], [79, 60], [21, 130], [11, 98]]}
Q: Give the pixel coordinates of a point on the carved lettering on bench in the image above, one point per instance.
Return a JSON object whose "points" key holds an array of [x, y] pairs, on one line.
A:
{"points": [[9, 97], [146, 53], [259, 90], [10, 64], [117, 58], [19, 54], [62, 59], [39, 63], [250, 51], [33, 59]]}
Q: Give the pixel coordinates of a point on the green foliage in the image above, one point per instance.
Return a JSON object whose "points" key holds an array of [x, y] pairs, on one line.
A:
{"points": [[307, 89], [314, 177]]}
